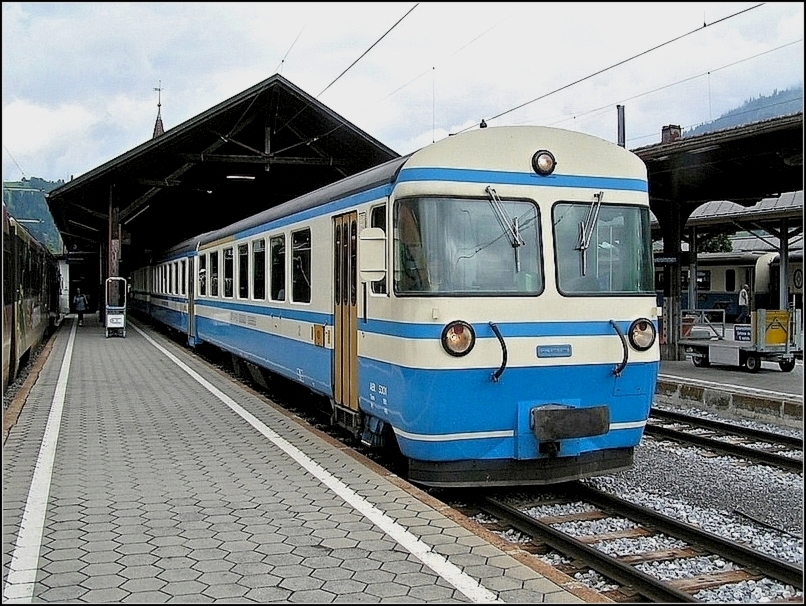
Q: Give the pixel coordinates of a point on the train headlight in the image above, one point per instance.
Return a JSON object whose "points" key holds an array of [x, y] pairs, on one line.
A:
{"points": [[543, 162], [642, 334], [458, 338]]}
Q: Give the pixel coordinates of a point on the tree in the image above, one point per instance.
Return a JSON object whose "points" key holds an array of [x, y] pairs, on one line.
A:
{"points": [[714, 243]]}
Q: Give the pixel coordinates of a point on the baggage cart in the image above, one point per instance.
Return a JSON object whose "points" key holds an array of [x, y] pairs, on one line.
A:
{"points": [[115, 316], [772, 335]]}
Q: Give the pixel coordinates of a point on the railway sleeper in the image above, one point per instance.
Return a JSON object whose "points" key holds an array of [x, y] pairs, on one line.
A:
{"points": [[584, 516], [630, 533], [710, 581], [661, 555]]}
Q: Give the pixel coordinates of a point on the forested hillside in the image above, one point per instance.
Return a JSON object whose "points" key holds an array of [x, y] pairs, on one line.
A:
{"points": [[779, 103], [25, 201]]}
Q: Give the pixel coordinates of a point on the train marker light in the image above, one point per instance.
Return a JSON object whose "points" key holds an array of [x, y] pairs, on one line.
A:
{"points": [[458, 338], [543, 162]]}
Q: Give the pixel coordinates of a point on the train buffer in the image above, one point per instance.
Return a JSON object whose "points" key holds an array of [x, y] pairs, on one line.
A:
{"points": [[772, 335]]}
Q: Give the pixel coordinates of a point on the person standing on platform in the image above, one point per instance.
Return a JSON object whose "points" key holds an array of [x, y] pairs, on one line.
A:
{"points": [[81, 304], [744, 305]]}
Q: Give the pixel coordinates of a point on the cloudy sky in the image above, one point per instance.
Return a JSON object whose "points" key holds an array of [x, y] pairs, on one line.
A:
{"points": [[79, 79]]}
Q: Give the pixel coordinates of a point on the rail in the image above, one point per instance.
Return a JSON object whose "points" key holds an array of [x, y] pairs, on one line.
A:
{"points": [[749, 563]]}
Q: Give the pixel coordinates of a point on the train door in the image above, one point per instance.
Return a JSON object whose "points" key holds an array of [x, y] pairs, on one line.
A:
{"points": [[11, 285], [191, 292], [345, 294]]}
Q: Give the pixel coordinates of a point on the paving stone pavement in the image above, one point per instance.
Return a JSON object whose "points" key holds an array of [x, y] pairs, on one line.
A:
{"points": [[140, 480]]}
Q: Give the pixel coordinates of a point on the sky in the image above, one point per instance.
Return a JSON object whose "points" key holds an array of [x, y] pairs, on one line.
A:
{"points": [[80, 79]]}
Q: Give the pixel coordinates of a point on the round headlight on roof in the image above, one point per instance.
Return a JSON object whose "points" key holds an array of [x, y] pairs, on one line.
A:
{"points": [[543, 162]]}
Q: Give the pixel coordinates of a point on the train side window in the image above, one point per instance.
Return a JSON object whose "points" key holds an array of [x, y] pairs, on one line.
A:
{"points": [[203, 275], [243, 271], [301, 266], [378, 219], [277, 244], [214, 273], [259, 269], [182, 281], [730, 280], [9, 287], [228, 271], [703, 280]]}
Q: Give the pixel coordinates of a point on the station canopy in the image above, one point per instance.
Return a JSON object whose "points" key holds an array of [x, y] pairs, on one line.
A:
{"points": [[264, 146], [760, 220], [747, 175], [274, 142]]}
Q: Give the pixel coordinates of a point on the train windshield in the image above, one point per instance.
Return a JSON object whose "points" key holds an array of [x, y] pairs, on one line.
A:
{"points": [[458, 246], [606, 252]]}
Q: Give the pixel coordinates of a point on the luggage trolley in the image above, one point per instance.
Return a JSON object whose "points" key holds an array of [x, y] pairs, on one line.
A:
{"points": [[115, 307]]}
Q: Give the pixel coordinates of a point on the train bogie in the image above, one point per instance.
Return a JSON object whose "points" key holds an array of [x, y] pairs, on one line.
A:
{"points": [[490, 313]]}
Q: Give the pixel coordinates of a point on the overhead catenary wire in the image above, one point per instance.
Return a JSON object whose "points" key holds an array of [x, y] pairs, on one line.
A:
{"points": [[369, 49], [287, 122], [431, 69], [457, 51], [279, 67], [608, 106], [619, 63], [15, 162]]}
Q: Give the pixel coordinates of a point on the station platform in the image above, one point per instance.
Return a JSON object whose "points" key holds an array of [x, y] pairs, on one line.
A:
{"points": [[136, 473], [769, 395]]}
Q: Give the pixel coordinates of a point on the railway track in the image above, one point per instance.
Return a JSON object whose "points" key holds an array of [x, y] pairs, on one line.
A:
{"points": [[782, 451], [674, 540], [634, 584]]}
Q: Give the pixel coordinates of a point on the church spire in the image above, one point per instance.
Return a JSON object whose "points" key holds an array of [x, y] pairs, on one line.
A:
{"points": [[158, 128]]}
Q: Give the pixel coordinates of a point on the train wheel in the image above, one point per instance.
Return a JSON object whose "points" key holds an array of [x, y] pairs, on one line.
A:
{"points": [[752, 363], [701, 361], [787, 365]]}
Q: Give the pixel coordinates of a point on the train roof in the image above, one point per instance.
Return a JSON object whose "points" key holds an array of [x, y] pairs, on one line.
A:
{"points": [[508, 143], [382, 174], [22, 232], [740, 257]]}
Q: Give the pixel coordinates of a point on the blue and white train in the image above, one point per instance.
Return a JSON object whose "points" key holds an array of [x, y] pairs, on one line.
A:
{"points": [[485, 304], [720, 277]]}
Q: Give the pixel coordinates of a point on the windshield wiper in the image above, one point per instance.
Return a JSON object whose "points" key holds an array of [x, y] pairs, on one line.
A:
{"points": [[509, 226], [587, 227]]}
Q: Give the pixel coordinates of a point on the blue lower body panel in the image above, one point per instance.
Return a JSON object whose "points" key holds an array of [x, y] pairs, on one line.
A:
{"points": [[175, 319], [304, 363], [453, 417]]}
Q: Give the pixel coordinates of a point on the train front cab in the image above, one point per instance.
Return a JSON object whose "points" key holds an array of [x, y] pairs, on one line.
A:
{"points": [[557, 373]]}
